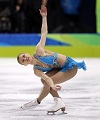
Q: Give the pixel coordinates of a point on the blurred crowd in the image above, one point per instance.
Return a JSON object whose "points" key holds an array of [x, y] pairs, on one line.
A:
{"points": [[64, 16]]}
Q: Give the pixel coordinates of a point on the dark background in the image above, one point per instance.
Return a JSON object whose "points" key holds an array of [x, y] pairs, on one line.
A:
{"points": [[22, 16]]}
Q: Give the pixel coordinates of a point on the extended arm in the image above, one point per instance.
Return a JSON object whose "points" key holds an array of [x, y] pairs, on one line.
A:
{"points": [[44, 31]]}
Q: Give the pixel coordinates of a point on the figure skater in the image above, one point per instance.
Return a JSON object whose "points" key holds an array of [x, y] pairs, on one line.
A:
{"points": [[51, 67]]}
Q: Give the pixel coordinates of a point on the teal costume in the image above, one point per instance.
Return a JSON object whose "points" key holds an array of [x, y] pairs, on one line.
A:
{"points": [[52, 62]]}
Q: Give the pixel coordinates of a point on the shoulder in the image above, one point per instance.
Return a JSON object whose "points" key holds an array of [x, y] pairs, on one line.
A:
{"points": [[48, 52], [43, 52], [39, 51]]}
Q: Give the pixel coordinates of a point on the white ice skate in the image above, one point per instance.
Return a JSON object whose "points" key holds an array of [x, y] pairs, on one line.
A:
{"points": [[59, 105], [30, 105]]}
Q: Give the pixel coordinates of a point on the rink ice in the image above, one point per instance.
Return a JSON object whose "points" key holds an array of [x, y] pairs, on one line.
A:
{"points": [[19, 85]]}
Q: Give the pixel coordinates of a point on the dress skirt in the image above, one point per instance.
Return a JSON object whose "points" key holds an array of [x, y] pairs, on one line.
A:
{"points": [[69, 63]]}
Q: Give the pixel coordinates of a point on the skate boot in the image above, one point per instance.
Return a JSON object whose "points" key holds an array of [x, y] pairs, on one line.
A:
{"points": [[30, 105], [59, 105]]}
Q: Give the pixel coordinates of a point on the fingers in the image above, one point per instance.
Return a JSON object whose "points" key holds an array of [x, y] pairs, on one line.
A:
{"points": [[43, 8], [56, 87]]}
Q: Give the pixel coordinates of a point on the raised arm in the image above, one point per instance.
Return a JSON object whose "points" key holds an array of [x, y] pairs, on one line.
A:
{"points": [[44, 31], [43, 13]]}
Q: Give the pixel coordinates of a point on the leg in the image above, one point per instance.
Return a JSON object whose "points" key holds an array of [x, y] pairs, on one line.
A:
{"points": [[46, 89], [59, 78], [44, 92]]}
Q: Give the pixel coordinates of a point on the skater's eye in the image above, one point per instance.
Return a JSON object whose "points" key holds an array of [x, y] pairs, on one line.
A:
{"points": [[24, 56], [23, 60]]}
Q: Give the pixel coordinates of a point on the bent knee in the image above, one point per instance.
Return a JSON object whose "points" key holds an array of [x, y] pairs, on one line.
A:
{"points": [[46, 87], [73, 71], [44, 83]]}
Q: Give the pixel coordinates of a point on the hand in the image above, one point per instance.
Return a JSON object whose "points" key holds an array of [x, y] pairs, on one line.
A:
{"points": [[43, 11], [56, 87]]}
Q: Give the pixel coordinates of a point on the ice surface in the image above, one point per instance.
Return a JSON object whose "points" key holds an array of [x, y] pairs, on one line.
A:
{"points": [[19, 85]]}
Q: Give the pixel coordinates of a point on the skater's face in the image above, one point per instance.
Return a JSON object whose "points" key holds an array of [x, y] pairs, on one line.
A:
{"points": [[24, 58]]}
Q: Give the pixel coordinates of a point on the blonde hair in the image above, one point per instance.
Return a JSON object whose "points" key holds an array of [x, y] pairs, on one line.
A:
{"points": [[18, 59]]}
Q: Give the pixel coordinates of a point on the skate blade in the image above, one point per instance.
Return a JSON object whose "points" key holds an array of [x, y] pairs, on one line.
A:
{"points": [[53, 112]]}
